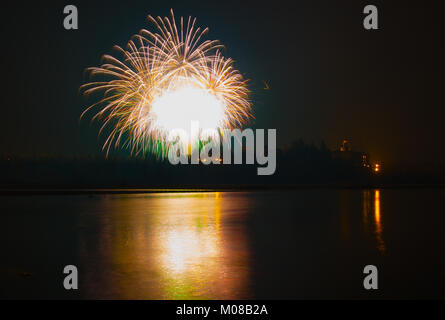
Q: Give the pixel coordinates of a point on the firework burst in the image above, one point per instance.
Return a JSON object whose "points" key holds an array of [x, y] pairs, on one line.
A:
{"points": [[164, 80]]}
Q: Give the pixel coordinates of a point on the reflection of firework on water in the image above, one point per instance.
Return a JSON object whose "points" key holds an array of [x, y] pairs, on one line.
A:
{"points": [[165, 80]]}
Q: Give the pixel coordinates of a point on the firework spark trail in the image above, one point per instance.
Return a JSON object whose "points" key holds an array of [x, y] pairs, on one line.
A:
{"points": [[157, 66]]}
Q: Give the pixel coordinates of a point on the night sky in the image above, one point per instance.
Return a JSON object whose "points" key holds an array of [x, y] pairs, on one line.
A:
{"points": [[329, 78]]}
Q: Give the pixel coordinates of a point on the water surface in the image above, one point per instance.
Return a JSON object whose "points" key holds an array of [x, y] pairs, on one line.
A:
{"points": [[294, 244]]}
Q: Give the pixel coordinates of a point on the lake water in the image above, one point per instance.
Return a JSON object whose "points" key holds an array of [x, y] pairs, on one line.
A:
{"points": [[296, 244]]}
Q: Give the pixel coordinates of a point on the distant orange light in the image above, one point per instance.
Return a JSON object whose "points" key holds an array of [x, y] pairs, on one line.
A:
{"points": [[376, 167]]}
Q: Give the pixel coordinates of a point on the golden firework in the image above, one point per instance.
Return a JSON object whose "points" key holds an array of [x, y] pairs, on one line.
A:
{"points": [[165, 80]]}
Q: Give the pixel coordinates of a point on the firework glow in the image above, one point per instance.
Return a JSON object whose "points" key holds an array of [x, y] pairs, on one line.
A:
{"points": [[164, 81]]}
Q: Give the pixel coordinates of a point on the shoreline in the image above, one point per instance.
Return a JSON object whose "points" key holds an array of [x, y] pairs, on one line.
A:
{"points": [[192, 189]]}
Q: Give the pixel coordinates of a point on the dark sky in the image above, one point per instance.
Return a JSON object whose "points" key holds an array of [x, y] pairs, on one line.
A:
{"points": [[330, 79]]}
